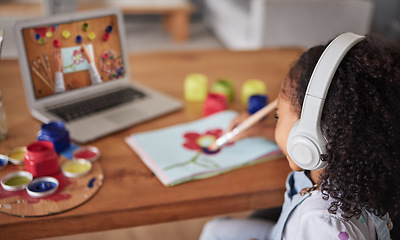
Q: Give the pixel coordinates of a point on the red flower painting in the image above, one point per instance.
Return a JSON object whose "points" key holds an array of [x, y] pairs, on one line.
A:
{"points": [[199, 142], [77, 57]]}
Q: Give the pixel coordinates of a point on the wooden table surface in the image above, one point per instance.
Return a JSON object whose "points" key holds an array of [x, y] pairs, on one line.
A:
{"points": [[131, 194]]}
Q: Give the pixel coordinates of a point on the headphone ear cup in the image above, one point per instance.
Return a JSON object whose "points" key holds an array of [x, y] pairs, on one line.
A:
{"points": [[303, 149], [305, 142]]}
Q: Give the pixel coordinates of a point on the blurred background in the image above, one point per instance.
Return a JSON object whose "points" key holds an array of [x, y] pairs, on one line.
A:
{"points": [[232, 24]]}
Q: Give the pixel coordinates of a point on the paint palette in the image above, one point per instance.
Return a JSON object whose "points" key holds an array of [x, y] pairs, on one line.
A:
{"points": [[44, 196], [42, 187], [111, 65]]}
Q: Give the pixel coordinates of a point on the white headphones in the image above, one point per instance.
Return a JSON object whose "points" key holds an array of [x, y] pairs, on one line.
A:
{"points": [[305, 142]]}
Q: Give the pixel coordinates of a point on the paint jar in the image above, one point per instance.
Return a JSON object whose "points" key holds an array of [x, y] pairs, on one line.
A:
{"points": [[195, 87], [256, 102], [252, 87], [41, 159], [85, 26], [56, 133], [224, 86], [214, 103]]}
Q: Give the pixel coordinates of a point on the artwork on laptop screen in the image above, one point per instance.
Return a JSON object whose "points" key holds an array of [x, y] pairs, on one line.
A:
{"points": [[73, 55]]}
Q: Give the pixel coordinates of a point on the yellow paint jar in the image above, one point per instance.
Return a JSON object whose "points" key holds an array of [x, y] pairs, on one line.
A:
{"points": [[252, 87], [195, 87]]}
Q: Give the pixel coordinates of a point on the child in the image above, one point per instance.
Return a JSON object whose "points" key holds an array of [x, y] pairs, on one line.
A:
{"points": [[356, 189], [59, 84]]}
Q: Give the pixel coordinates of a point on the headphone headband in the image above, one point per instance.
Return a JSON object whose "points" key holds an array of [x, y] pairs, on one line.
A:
{"points": [[305, 141], [323, 74]]}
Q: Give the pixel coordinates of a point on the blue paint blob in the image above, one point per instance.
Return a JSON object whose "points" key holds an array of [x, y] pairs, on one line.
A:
{"points": [[41, 186], [37, 36], [91, 182], [3, 162], [208, 151]]}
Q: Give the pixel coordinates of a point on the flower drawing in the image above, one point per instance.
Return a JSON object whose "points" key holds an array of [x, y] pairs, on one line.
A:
{"points": [[199, 143], [77, 57]]}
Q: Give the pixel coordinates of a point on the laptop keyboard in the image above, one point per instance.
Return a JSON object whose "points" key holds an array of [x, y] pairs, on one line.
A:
{"points": [[90, 106]]}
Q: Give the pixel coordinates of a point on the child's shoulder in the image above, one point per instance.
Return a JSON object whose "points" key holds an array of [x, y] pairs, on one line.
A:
{"points": [[313, 219], [317, 206]]}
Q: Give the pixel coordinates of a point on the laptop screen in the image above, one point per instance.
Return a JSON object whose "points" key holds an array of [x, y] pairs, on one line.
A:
{"points": [[72, 55]]}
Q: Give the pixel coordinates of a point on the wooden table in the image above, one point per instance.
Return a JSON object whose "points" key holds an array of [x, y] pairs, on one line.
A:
{"points": [[131, 195]]}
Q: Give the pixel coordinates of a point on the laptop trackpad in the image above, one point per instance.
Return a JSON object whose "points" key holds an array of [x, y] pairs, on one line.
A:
{"points": [[123, 116]]}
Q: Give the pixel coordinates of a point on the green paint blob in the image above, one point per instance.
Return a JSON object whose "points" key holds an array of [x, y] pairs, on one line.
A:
{"points": [[17, 181]]}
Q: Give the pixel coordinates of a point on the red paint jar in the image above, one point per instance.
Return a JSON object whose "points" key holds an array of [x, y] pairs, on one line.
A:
{"points": [[214, 103], [41, 159]]}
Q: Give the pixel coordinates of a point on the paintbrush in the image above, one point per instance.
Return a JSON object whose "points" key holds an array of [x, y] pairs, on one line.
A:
{"points": [[39, 60], [42, 78], [250, 121], [47, 66]]}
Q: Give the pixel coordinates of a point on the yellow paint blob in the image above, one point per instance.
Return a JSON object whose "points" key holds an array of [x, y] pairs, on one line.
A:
{"points": [[77, 167], [17, 155]]}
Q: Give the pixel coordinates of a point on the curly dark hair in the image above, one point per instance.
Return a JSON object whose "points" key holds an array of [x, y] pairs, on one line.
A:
{"points": [[360, 121]]}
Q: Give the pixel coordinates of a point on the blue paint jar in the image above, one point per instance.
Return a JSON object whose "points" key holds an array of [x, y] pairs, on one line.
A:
{"points": [[56, 133], [78, 39], [256, 102], [109, 29]]}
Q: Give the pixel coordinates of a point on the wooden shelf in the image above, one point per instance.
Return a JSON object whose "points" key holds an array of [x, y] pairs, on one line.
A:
{"points": [[176, 16]]}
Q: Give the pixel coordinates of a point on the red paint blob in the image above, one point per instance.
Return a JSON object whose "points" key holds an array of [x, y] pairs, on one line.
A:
{"points": [[85, 154]]}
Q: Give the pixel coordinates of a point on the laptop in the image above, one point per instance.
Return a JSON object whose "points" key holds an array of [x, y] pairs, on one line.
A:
{"points": [[75, 69], [1, 39]]}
